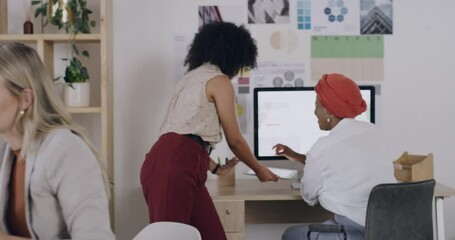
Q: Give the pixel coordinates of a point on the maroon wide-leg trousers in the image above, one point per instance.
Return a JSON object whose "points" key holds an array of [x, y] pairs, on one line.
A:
{"points": [[173, 179]]}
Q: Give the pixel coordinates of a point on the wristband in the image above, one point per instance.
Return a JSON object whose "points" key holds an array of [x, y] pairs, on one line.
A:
{"points": [[215, 169]]}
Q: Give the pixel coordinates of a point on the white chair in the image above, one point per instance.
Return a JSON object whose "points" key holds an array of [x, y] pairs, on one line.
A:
{"points": [[168, 231]]}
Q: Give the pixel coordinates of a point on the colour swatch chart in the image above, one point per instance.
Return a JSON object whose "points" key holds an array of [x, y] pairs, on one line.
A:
{"points": [[304, 14], [358, 57]]}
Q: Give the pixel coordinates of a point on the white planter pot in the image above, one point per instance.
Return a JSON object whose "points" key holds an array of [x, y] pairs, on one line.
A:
{"points": [[78, 95]]}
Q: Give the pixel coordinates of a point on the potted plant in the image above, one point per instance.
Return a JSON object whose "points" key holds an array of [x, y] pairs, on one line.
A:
{"points": [[73, 17]]}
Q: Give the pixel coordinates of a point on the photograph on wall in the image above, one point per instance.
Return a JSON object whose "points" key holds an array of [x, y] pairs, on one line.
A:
{"points": [[335, 17], [361, 58], [268, 11], [221, 13], [376, 16], [275, 74]]}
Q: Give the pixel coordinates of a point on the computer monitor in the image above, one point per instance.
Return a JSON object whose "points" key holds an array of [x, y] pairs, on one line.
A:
{"points": [[286, 115]]}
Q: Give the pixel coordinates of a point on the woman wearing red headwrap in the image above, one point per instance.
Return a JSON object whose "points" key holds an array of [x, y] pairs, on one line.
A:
{"points": [[341, 168]]}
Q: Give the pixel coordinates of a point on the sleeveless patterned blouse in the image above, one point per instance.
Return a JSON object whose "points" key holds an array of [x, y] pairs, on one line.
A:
{"points": [[189, 111]]}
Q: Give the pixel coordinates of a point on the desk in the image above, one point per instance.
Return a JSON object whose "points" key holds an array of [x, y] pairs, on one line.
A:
{"points": [[251, 201], [440, 192]]}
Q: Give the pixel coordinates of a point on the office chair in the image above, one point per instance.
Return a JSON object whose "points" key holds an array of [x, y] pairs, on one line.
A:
{"points": [[395, 211], [168, 231]]}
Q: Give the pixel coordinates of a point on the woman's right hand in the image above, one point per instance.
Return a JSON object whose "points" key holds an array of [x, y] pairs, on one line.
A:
{"points": [[265, 175], [283, 150]]}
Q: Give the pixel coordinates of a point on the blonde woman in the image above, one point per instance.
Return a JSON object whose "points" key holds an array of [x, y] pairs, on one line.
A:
{"points": [[51, 184]]}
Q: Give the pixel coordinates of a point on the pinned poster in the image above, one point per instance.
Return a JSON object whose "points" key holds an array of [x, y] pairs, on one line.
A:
{"points": [[361, 58], [220, 13], [181, 44], [281, 44], [376, 17], [242, 112], [274, 74], [335, 17], [268, 11], [243, 81]]}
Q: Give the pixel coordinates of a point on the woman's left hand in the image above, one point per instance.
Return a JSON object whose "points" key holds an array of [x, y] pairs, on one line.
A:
{"points": [[223, 170]]}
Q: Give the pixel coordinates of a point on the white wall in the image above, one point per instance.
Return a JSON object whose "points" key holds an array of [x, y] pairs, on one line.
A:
{"points": [[415, 106]]}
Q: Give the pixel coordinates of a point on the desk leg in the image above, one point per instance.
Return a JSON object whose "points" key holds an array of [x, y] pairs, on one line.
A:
{"points": [[439, 218]]}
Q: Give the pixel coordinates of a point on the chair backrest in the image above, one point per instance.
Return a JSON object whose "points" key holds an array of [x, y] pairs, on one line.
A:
{"points": [[400, 211], [168, 231]]}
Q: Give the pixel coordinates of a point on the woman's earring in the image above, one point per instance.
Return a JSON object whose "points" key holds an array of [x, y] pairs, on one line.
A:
{"points": [[328, 119], [22, 112]]}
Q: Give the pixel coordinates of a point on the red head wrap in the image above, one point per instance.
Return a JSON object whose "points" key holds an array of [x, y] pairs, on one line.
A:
{"points": [[340, 95]]}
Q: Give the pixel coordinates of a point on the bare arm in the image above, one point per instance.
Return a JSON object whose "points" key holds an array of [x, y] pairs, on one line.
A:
{"points": [[220, 91]]}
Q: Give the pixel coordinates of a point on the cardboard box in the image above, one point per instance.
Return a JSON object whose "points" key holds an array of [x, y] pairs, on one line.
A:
{"points": [[412, 168]]}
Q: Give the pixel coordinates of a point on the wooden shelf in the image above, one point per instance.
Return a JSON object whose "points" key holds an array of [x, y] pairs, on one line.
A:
{"points": [[56, 38], [84, 109]]}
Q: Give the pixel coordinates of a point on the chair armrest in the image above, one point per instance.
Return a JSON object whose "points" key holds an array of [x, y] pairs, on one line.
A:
{"points": [[326, 228]]}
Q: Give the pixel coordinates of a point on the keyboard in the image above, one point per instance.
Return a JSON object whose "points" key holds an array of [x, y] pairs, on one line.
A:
{"points": [[280, 172]]}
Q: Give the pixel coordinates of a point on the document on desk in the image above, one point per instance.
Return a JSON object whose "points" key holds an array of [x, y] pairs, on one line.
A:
{"points": [[280, 172]]}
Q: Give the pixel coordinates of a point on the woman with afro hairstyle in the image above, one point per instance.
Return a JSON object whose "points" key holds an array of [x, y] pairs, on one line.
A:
{"points": [[174, 172]]}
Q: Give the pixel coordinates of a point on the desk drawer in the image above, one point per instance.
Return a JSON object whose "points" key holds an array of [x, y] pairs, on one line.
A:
{"points": [[232, 215]]}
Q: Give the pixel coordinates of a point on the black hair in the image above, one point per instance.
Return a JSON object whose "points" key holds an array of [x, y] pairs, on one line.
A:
{"points": [[225, 45]]}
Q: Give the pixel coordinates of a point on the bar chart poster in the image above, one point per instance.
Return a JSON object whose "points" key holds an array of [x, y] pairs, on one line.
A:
{"points": [[360, 58]]}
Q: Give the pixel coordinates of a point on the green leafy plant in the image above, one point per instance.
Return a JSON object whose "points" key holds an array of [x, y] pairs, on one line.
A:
{"points": [[78, 15], [75, 72], [76, 21]]}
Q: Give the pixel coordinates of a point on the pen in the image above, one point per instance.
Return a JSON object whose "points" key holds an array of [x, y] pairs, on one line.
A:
{"points": [[219, 161], [227, 160]]}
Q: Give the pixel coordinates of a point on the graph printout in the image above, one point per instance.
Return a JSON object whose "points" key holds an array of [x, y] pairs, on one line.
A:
{"points": [[359, 57]]}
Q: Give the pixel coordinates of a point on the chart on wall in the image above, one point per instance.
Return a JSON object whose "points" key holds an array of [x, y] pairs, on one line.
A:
{"points": [[304, 14], [358, 57], [335, 17], [273, 74], [345, 17], [280, 43], [242, 87]]}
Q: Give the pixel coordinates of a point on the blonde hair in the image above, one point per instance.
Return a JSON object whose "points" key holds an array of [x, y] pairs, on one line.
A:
{"points": [[22, 68]]}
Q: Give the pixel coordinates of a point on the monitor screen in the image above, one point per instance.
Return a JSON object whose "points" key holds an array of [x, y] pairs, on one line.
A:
{"points": [[286, 115]]}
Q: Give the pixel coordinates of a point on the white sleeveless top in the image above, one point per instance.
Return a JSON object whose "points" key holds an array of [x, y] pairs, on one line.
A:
{"points": [[189, 111]]}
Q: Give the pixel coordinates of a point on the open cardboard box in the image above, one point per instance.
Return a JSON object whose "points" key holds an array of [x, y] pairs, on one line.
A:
{"points": [[412, 168]]}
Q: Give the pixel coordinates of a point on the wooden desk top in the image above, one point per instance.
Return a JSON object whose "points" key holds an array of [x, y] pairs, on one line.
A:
{"points": [[253, 190], [443, 191]]}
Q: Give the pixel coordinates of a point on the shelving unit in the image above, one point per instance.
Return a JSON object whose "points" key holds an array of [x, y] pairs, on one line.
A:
{"points": [[3, 17], [45, 44]]}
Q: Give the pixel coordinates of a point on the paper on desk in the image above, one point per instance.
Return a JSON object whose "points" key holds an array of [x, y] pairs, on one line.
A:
{"points": [[280, 172]]}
